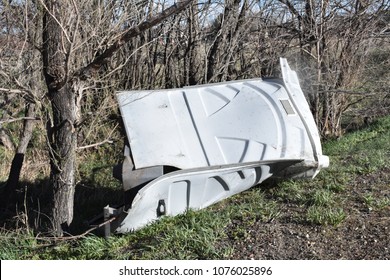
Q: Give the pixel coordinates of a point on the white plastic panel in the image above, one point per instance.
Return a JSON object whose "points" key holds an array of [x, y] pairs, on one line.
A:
{"points": [[160, 129], [227, 123], [224, 137], [195, 189]]}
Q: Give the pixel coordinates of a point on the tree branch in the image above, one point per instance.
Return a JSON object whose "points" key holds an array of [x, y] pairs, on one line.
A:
{"points": [[347, 92], [96, 144], [95, 65], [17, 91], [19, 119], [26, 93], [291, 8]]}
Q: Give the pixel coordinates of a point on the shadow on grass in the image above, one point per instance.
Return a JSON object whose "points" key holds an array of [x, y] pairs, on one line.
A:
{"points": [[30, 207]]}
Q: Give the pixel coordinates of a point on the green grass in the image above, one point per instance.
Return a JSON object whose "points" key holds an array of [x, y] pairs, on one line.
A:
{"points": [[363, 151], [321, 215], [207, 234], [374, 202], [183, 237]]}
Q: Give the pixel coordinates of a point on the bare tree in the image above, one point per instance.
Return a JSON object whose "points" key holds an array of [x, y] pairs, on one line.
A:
{"points": [[74, 42], [229, 26], [22, 82], [333, 39], [61, 60], [66, 82]]}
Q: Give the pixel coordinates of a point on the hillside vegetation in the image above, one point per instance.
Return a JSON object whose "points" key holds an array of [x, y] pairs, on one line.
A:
{"points": [[61, 133], [344, 213]]}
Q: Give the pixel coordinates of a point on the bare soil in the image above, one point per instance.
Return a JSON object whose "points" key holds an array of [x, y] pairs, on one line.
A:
{"points": [[364, 234]]}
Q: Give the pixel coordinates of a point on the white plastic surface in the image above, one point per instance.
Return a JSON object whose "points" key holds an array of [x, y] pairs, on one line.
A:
{"points": [[195, 189], [227, 130], [241, 121]]}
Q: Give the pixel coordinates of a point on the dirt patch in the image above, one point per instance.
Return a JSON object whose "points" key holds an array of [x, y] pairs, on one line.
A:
{"points": [[364, 234]]}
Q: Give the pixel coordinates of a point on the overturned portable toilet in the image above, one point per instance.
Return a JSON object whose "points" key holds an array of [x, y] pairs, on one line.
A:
{"points": [[194, 146]]}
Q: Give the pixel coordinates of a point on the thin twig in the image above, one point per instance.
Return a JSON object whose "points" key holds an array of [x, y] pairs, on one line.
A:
{"points": [[347, 92], [132, 32], [96, 144], [56, 20], [74, 237], [19, 119], [17, 91]]}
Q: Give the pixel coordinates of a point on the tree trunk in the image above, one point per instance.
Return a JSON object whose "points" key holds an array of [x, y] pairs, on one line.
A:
{"points": [[5, 140], [63, 83], [17, 162], [63, 157], [61, 130]]}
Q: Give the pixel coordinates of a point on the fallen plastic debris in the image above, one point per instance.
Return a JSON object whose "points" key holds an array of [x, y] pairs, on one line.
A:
{"points": [[194, 146]]}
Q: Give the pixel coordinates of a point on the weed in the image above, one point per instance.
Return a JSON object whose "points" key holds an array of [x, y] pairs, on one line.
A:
{"points": [[383, 203], [17, 243], [323, 198], [325, 215], [375, 203], [290, 191], [192, 235], [369, 200]]}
